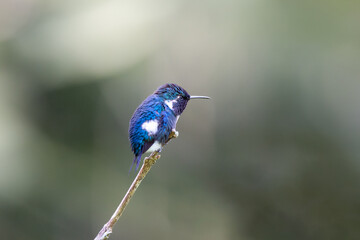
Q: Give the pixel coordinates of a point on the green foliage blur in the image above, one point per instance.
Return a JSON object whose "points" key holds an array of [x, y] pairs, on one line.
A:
{"points": [[274, 155]]}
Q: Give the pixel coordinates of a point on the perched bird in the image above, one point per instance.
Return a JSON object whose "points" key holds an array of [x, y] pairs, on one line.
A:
{"points": [[155, 118]]}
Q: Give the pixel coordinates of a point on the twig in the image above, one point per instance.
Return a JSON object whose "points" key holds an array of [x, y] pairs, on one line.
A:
{"points": [[145, 168]]}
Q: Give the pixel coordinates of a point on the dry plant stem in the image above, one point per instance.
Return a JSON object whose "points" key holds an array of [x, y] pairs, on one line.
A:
{"points": [[145, 168]]}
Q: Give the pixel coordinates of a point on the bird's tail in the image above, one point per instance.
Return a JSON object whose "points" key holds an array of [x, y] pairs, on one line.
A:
{"points": [[137, 160]]}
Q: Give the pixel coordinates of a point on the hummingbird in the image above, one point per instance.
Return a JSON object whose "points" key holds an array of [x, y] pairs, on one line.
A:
{"points": [[155, 118]]}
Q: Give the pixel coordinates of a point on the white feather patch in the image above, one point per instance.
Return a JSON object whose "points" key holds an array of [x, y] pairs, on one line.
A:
{"points": [[170, 103], [150, 126], [155, 147]]}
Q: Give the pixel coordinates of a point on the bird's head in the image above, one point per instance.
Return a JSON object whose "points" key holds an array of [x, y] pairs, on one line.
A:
{"points": [[172, 91], [175, 97]]}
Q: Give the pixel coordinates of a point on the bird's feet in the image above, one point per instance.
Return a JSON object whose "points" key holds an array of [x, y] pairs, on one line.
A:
{"points": [[176, 133]]}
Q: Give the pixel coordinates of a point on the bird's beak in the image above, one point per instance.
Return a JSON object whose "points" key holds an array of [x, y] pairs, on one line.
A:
{"points": [[199, 97]]}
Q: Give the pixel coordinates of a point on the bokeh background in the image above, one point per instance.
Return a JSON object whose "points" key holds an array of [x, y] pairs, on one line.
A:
{"points": [[274, 155]]}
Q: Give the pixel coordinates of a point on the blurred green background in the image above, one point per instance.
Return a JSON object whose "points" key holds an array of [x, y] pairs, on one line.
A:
{"points": [[274, 155]]}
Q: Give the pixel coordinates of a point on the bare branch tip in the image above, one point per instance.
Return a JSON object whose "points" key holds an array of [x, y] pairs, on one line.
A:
{"points": [[148, 162]]}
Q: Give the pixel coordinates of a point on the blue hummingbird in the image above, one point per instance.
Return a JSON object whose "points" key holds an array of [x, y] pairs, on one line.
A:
{"points": [[155, 118]]}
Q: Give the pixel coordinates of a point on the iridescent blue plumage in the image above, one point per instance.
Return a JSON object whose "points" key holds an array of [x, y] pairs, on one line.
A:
{"points": [[155, 118]]}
